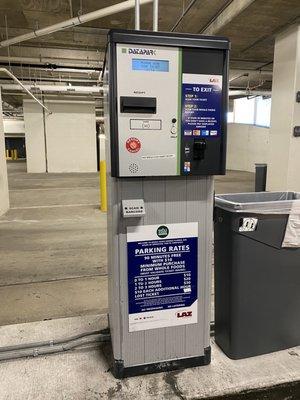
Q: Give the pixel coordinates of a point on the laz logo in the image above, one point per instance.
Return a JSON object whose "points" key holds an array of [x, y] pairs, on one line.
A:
{"points": [[184, 314], [147, 52], [214, 80]]}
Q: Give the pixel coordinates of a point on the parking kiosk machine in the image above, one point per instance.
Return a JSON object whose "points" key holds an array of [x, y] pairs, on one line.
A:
{"points": [[165, 117]]}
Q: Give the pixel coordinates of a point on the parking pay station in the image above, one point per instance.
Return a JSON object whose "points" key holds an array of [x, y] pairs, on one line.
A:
{"points": [[165, 115]]}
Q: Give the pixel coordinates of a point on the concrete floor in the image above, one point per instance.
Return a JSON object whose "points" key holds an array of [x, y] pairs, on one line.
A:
{"points": [[53, 247], [53, 266], [235, 182], [83, 374], [53, 244]]}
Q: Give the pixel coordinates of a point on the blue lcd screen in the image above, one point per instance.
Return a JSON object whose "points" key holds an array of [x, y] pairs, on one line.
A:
{"points": [[139, 64]]}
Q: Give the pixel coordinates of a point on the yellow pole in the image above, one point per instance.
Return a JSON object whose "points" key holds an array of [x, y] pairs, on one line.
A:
{"points": [[103, 193]]}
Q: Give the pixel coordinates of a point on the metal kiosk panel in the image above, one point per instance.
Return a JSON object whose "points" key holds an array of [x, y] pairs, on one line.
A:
{"points": [[165, 119]]}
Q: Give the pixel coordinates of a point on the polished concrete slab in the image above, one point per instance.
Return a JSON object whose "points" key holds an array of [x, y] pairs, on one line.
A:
{"points": [[53, 299], [235, 182], [53, 244], [83, 373], [55, 248]]}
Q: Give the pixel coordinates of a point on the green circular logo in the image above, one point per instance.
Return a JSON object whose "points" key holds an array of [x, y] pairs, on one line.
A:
{"points": [[162, 231]]}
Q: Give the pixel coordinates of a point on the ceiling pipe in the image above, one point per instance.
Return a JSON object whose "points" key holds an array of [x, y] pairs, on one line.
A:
{"points": [[246, 74], [63, 62], [50, 80], [183, 15], [137, 17], [80, 19], [55, 88], [12, 76], [245, 93], [155, 15], [231, 10]]}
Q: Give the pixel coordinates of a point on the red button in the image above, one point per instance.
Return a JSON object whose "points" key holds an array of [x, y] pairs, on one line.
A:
{"points": [[133, 145]]}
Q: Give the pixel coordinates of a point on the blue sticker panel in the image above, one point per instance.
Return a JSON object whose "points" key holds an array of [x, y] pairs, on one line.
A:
{"points": [[162, 274], [201, 110]]}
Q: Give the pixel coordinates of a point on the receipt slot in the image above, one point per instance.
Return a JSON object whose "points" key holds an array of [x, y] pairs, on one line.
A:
{"points": [[165, 118]]}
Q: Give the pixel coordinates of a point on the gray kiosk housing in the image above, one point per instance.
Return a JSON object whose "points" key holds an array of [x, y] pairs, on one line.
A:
{"points": [[165, 118]]}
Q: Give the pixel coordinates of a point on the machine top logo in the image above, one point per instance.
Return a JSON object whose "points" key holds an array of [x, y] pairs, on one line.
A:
{"points": [[162, 231], [147, 52]]}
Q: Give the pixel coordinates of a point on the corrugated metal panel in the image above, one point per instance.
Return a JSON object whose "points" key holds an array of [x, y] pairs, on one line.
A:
{"points": [[172, 200]]}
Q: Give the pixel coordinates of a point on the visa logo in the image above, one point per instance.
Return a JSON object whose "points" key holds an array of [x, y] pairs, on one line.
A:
{"points": [[147, 52]]}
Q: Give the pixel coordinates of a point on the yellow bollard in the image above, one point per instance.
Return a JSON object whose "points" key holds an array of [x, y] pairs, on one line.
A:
{"points": [[15, 154], [103, 193], [9, 155]]}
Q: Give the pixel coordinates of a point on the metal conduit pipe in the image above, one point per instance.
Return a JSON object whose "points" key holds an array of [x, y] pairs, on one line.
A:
{"points": [[183, 15], [137, 20], [91, 90], [137, 16], [47, 342], [81, 19], [155, 15], [53, 348], [7, 72]]}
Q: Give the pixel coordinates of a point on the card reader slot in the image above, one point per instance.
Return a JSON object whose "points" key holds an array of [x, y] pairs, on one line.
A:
{"points": [[138, 105]]}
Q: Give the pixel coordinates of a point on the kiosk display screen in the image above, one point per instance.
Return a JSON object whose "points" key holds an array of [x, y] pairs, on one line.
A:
{"points": [[139, 64]]}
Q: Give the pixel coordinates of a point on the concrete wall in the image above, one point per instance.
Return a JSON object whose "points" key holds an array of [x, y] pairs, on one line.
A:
{"points": [[34, 136], [247, 145], [71, 137], [4, 198], [68, 135]]}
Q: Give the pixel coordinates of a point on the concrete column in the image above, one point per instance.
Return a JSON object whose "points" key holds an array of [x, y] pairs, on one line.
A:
{"points": [[64, 141], [34, 136], [4, 198], [71, 136], [284, 158]]}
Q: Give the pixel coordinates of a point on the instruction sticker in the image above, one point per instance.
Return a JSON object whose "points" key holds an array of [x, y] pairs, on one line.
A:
{"points": [[162, 275], [201, 104]]}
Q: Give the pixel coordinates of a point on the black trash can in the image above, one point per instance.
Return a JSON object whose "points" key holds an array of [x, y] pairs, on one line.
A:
{"points": [[257, 281]]}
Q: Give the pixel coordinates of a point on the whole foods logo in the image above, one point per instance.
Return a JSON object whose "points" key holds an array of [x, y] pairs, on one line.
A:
{"points": [[147, 52], [162, 231]]}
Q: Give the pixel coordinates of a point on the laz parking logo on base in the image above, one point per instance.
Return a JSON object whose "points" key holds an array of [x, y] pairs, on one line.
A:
{"points": [[184, 314]]}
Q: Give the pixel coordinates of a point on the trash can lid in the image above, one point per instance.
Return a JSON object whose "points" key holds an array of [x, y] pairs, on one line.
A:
{"points": [[260, 202]]}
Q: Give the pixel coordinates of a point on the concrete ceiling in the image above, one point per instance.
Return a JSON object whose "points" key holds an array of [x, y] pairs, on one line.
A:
{"points": [[251, 33]]}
